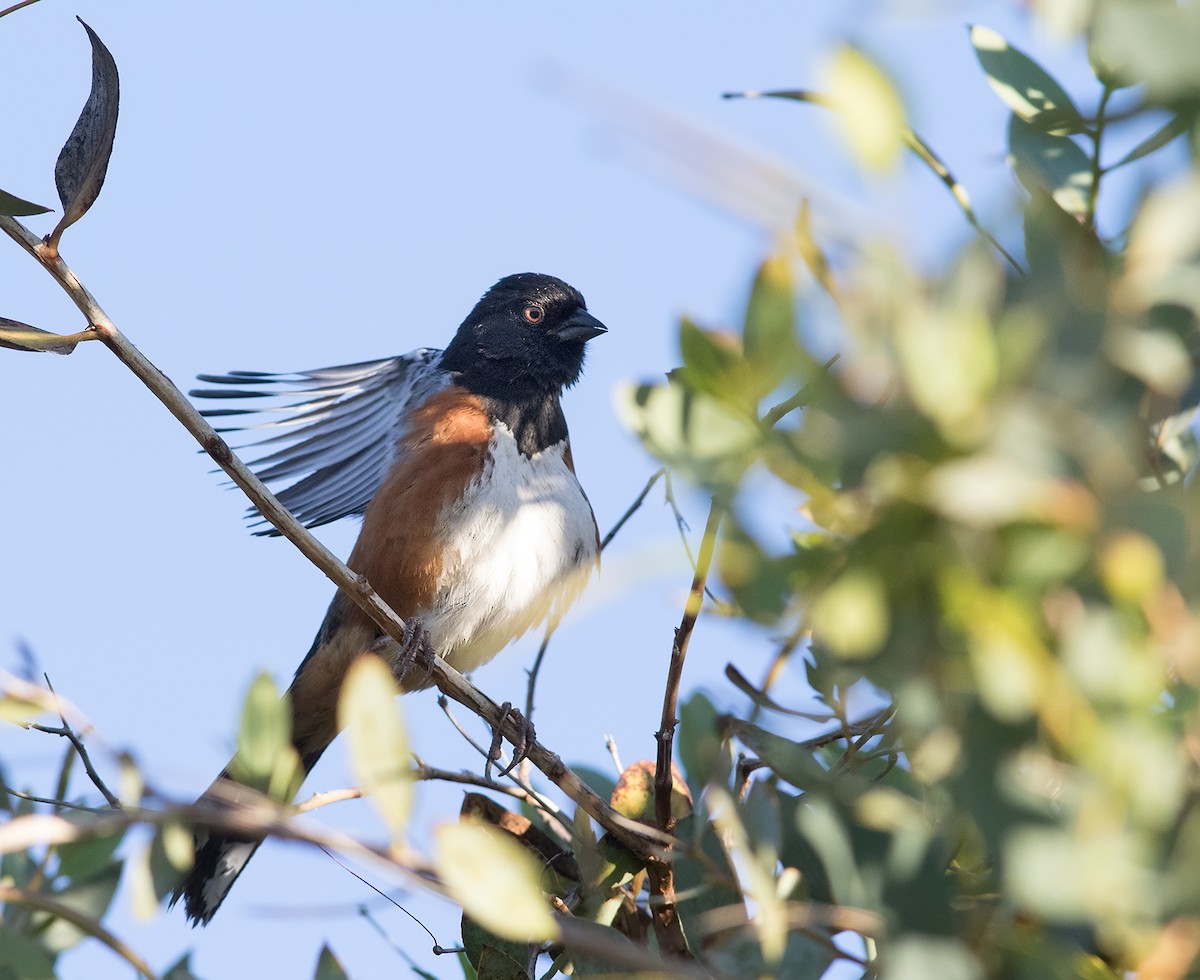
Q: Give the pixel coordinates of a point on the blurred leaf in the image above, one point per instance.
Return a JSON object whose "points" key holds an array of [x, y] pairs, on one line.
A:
{"points": [[495, 880], [369, 709], [770, 323], [83, 162], [869, 111], [704, 877], [1148, 41], [90, 897], [700, 746], [917, 957], [181, 969], [1023, 85], [266, 760], [18, 208], [713, 363], [171, 854], [1052, 163], [1176, 126], [328, 966], [80, 860], [741, 956], [16, 335], [689, 431], [24, 958], [851, 616]]}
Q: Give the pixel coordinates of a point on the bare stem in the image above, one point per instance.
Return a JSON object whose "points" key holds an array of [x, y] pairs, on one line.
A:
{"points": [[664, 912], [67, 732]]}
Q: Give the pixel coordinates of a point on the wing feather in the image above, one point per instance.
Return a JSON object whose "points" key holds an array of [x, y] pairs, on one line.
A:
{"points": [[333, 431]]}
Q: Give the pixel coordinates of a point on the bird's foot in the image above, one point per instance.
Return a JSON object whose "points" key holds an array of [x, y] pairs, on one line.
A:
{"points": [[526, 736], [412, 661]]}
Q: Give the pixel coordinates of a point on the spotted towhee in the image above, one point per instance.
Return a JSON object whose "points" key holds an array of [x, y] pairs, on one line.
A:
{"points": [[475, 527]]}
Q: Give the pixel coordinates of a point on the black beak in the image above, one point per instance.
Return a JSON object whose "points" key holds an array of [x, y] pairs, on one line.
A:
{"points": [[582, 326]]}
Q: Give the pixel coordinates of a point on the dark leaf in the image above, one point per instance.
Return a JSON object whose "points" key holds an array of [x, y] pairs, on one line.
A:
{"points": [[17, 207], [181, 969], [80, 860], [485, 949], [83, 162], [700, 746], [23, 958], [328, 967], [91, 897]]}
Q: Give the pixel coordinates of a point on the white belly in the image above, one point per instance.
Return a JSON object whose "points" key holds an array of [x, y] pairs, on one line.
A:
{"points": [[519, 546]]}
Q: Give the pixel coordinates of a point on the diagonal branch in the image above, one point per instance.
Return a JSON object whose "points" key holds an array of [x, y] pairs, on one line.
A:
{"points": [[447, 679]]}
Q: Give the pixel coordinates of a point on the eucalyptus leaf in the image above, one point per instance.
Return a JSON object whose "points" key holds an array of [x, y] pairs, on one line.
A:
{"points": [[1055, 164], [17, 207], [1023, 85], [329, 967], [369, 709]]}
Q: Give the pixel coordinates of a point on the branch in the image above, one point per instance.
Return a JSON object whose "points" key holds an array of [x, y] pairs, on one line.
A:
{"points": [[665, 915], [81, 921], [447, 679], [67, 732]]}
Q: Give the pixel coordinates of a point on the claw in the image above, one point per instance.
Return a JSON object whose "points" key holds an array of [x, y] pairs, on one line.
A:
{"points": [[526, 736], [416, 651]]}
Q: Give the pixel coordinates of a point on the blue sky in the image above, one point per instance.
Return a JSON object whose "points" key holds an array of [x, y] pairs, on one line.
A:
{"points": [[299, 185]]}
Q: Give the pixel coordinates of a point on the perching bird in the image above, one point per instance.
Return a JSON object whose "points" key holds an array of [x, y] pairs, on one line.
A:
{"points": [[475, 527]]}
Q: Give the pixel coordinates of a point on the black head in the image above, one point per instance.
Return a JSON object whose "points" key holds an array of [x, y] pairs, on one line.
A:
{"points": [[524, 340]]}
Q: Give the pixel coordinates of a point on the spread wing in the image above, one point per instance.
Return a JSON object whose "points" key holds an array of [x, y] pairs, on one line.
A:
{"points": [[331, 434]]}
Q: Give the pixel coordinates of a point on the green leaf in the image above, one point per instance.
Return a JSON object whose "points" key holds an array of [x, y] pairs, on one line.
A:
{"points": [[787, 759], [24, 958], [1055, 164], [328, 967], [80, 860], [917, 957], [266, 760], [690, 431], [495, 964], [478, 941], [1023, 85], [181, 969], [18, 208], [704, 878], [369, 709], [91, 897], [1173, 128], [769, 331], [495, 880], [600, 783], [701, 748]]}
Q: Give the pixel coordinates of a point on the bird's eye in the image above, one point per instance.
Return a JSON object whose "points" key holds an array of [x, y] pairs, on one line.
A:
{"points": [[534, 314]]}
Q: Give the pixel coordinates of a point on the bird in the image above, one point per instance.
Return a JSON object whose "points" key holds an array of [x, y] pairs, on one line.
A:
{"points": [[475, 527]]}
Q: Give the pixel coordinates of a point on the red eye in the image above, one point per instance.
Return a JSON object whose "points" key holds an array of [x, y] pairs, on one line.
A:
{"points": [[534, 314]]}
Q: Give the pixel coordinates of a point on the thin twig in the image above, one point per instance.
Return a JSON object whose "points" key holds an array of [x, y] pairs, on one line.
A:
{"points": [[1097, 169], [80, 920], [665, 915], [59, 802], [67, 732], [922, 150]]}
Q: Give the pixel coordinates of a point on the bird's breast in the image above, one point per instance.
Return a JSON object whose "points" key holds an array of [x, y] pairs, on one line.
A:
{"points": [[517, 548]]}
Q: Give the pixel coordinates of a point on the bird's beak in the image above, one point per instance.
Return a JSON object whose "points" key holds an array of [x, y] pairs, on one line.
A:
{"points": [[582, 326]]}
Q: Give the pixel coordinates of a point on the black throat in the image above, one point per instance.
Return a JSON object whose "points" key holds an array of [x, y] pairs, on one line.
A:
{"points": [[537, 424]]}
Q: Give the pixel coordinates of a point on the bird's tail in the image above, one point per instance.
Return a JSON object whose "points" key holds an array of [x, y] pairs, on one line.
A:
{"points": [[220, 856]]}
